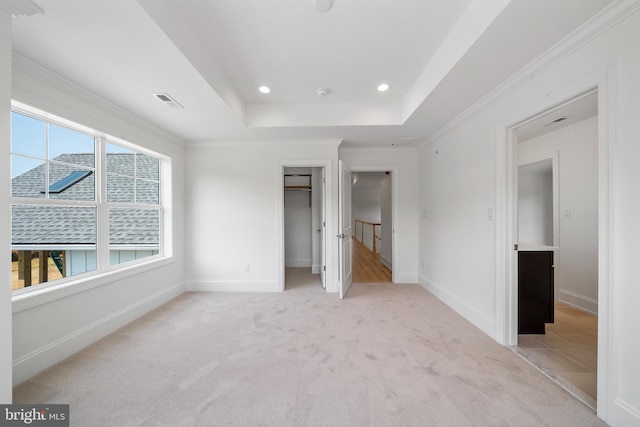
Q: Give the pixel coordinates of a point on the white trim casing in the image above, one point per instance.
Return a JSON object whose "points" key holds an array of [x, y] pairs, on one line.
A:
{"points": [[330, 229], [506, 228]]}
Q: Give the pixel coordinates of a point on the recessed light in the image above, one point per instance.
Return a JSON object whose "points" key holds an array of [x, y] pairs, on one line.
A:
{"points": [[264, 89], [383, 87]]}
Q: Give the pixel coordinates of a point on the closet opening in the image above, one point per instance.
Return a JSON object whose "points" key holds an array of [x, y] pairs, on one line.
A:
{"points": [[304, 223]]}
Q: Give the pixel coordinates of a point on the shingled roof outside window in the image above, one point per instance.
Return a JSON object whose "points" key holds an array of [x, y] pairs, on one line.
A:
{"points": [[38, 225]]}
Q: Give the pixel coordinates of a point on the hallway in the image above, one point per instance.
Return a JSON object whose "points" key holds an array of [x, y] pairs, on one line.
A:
{"points": [[367, 267]]}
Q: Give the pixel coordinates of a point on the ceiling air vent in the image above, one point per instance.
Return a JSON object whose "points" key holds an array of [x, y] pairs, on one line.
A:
{"points": [[168, 100], [558, 120]]}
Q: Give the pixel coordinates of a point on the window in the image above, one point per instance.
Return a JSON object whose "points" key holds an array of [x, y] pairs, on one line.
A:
{"points": [[82, 201], [133, 197]]}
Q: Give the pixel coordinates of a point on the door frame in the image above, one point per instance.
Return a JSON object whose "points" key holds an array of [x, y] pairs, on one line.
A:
{"points": [[394, 205], [329, 218], [506, 226]]}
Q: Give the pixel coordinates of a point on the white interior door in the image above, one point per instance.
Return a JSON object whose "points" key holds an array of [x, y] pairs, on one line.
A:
{"points": [[323, 231], [344, 223]]}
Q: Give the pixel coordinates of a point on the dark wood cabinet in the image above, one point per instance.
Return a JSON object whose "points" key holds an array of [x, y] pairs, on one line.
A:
{"points": [[535, 291]]}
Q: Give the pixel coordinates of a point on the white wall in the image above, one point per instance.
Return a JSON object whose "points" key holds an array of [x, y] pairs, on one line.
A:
{"points": [[5, 212], [577, 260], [51, 326], [458, 184], [535, 208], [234, 207], [403, 164], [386, 220], [365, 204], [297, 220]]}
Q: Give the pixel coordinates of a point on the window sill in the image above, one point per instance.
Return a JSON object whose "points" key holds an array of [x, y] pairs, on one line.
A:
{"points": [[28, 300]]}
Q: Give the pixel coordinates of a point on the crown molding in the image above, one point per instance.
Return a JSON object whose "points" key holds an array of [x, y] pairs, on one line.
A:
{"points": [[606, 19], [37, 71], [265, 143], [21, 7], [378, 149]]}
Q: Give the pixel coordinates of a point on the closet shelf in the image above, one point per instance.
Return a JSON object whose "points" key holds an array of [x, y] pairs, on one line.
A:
{"points": [[298, 187]]}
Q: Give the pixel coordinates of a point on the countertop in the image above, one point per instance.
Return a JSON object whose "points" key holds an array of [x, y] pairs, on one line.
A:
{"points": [[535, 247]]}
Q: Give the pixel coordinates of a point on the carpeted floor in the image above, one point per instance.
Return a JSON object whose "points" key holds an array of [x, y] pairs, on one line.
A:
{"points": [[386, 355]]}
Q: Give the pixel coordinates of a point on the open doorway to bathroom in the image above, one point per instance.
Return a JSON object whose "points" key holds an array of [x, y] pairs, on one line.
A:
{"points": [[558, 195]]}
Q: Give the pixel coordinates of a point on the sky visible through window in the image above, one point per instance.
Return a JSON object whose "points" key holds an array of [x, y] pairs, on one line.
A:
{"points": [[28, 138]]}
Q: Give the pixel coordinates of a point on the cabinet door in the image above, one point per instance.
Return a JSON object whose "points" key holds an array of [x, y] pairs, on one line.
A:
{"points": [[535, 291]]}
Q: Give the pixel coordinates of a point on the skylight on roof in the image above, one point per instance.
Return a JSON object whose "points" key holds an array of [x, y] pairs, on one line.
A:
{"points": [[68, 181]]}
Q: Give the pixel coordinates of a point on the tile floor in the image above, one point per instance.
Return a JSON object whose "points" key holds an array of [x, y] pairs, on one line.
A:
{"points": [[569, 349]]}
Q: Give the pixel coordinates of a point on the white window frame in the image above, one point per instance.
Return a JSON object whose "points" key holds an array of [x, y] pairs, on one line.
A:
{"points": [[104, 272]]}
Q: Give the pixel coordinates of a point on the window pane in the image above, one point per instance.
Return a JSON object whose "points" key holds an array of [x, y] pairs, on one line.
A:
{"points": [[64, 237], [125, 168], [28, 269], [120, 188], [147, 192], [70, 183], [28, 136], [147, 167], [86, 160], [133, 234], [120, 160], [27, 177], [64, 142]]}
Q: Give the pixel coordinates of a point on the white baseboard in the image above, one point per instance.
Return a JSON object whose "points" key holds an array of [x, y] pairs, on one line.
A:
{"points": [[582, 303], [298, 262], [316, 269], [387, 262], [37, 361], [463, 308], [625, 415], [239, 286]]}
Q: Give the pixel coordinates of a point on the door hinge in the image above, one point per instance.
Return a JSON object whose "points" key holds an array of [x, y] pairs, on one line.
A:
{"points": [[324, 268], [515, 246]]}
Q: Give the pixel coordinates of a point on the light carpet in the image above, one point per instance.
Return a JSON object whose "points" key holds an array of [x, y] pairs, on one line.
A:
{"points": [[386, 355]]}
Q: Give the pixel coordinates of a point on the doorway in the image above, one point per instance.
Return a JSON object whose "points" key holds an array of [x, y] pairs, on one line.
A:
{"points": [[558, 201], [304, 226], [372, 219]]}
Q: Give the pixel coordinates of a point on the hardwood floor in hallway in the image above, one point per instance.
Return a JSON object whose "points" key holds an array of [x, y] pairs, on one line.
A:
{"points": [[569, 348], [367, 267]]}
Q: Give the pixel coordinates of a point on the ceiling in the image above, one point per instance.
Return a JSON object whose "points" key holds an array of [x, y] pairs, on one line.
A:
{"points": [[581, 108], [438, 56], [367, 181]]}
